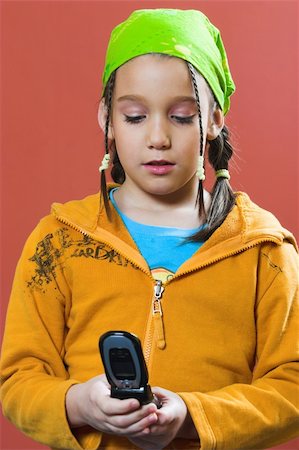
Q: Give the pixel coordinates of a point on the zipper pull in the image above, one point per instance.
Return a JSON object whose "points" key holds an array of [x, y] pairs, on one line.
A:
{"points": [[158, 289], [157, 313]]}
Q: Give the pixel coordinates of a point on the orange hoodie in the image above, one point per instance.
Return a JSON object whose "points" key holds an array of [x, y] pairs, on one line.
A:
{"points": [[226, 341]]}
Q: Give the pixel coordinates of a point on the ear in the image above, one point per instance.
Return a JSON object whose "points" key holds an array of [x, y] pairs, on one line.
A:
{"points": [[215, 125], [102, 116]]}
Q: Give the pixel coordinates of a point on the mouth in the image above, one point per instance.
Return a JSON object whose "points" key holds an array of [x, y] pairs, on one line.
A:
{"points": [[160, 162], [159, 167]]}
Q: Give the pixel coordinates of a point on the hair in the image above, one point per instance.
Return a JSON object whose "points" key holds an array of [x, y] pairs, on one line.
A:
{"points": [[108, 93], [220, 152]]}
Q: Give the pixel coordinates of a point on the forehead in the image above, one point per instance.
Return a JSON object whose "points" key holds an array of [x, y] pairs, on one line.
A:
{"points": [[150, 73]]}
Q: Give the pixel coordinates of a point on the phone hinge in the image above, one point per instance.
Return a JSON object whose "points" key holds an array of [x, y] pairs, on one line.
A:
{"points": [[157, 314]]}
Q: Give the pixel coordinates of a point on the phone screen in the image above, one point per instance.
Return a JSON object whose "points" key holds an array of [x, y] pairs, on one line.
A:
{"points": [[122, 364]]}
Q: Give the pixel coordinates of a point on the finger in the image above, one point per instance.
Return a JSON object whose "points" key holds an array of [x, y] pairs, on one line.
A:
{"points": [[160, 392], [160, 395], [135, 428], [114, 406], [158, 430], [141, 416], [165, 417]]}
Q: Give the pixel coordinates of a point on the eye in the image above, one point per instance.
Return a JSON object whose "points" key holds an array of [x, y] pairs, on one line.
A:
{"points": [[183, 119], [133, 119]]}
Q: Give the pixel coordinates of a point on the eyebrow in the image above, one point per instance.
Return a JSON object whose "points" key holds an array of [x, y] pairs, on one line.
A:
{"points": [[134, 98]]}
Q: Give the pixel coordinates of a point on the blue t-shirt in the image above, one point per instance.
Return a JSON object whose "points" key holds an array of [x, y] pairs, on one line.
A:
{"points": [[163, 248]]}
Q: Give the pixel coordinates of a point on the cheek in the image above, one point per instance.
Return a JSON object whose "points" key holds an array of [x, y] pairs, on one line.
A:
{"points": [[127, 150], [190, 141], [125, 132], [122, 139]]}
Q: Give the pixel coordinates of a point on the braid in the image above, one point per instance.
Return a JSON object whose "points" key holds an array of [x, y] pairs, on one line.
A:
{"points": [[117, 171], [108, 93], [192, 73], [222, 196], [200, 198]]}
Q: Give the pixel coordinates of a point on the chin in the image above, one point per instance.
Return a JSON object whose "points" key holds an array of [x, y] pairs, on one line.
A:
{"points": [[162, 190]]}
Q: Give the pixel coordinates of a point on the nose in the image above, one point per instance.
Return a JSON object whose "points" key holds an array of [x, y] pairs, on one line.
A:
{"points": [[158, 135]]}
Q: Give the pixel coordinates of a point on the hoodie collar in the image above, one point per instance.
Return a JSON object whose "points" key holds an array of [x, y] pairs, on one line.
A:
{"points": [[245, 226]]}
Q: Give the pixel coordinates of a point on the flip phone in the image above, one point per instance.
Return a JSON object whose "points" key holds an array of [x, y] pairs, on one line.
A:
{"points": [[125, 367]]}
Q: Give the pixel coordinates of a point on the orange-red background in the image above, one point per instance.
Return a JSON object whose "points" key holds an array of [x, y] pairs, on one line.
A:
{"points": [[52, 59]]}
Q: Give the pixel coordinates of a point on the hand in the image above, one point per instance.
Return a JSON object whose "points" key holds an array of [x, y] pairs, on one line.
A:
{"points": [[171, 420], [90, 404]]}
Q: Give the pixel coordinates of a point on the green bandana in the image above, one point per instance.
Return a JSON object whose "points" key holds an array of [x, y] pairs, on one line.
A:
{"points": [[186, 34]]}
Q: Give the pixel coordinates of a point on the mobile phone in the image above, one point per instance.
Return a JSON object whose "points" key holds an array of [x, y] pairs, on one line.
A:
{"points": [[125, 367]]}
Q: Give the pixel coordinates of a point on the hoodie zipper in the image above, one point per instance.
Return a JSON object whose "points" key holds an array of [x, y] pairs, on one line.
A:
{"points": [[155, 326], [158, 315]]}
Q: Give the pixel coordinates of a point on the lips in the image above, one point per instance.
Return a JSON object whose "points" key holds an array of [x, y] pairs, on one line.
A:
{"points": [[159, 167], [161, 162]]}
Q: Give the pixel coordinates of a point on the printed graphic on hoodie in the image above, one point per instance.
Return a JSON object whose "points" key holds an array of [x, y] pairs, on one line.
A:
{"points": [[55, 248]]}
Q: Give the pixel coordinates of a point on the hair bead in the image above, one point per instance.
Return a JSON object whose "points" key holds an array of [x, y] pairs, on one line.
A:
{"points": [[222, 173], [200, 168], [105, 162]]}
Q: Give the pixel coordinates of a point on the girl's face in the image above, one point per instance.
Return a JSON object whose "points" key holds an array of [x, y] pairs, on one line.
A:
{"points": [[155, 124]]}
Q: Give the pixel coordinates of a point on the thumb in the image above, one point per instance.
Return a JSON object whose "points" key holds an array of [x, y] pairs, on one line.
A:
{"points": [[160, 392]]}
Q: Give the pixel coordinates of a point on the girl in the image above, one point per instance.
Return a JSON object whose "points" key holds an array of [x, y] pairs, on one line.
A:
{"points": [[207, 281]]}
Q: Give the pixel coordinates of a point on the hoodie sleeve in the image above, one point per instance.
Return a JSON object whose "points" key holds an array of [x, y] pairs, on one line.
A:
{"points": [[34, 379], [266, 412]]}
